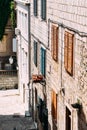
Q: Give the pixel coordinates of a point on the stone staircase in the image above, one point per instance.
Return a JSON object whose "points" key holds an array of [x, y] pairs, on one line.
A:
{"points": [[8, 82]]}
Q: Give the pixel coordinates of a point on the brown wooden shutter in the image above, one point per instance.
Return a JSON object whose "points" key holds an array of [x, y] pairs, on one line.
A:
{"points": [[54, 105], [66, 50], [52, 39], [54, 42], [70, 54]]}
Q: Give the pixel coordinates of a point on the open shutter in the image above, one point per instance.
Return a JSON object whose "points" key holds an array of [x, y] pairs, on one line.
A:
{"points": [[54, 43], [66, 50], [43, 9], [54, 105], [52, 37], [35, 53], [35, 7], [43, 61], [70, 54]]}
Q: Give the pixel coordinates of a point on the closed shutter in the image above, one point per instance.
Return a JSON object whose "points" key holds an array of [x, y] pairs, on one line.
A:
{"points": [[35, 53], [35, 7], [52, 39], [43, 9], [68, 52], [54, 105], [54, 44], [43, 61]]}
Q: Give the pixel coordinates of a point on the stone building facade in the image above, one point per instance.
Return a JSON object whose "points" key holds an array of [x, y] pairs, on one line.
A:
{"points": [[53, 62], [59, 53], [23, 42]]}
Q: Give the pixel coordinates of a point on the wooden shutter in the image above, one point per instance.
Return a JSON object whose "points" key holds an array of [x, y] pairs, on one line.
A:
{"points": [[54, 105], [35, 53], [43, 9], [68, 52], [35, 7], [43, 61], [54, 43]]}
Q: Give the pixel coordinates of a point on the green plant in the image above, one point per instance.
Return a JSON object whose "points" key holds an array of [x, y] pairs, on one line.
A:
{"points": [[6, 12], [13, 15]]}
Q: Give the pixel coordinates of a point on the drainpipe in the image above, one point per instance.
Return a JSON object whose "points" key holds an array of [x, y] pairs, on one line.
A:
{"points": [[29, 42], [29, 55], [62, 88]]}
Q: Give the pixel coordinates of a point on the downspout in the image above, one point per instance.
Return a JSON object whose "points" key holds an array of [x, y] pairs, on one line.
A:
{"points": [[29, 56], [29, 42], [61, 53]]}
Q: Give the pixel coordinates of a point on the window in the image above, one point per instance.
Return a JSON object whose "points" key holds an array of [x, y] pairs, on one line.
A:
{"points": [[43, 9], [35, 7], [35, 53], [54, 44], [68, 52], [43, 61]]}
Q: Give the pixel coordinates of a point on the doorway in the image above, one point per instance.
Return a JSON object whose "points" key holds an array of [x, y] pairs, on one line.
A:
{"points": [[68, 119]]}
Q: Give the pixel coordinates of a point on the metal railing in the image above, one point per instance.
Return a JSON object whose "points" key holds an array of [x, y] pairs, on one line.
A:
{"points": [[8, 72]]}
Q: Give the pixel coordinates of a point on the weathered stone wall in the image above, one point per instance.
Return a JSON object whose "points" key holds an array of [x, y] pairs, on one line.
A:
{"points": [[73, 15], [8, 82], [6, 43]]}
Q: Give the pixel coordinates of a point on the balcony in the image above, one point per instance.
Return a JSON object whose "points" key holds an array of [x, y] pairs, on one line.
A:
{"points": [[8, 72]]}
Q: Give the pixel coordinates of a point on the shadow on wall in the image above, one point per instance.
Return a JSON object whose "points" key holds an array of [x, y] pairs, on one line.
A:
{"points": [[82, 122], [49, 126], [16, 122]]}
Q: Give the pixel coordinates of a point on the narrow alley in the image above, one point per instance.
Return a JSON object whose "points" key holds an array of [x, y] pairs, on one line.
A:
{"points": [[12, 112]]}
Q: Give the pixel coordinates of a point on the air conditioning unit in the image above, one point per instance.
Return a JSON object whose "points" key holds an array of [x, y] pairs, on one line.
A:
{"points": [[17, 31]]}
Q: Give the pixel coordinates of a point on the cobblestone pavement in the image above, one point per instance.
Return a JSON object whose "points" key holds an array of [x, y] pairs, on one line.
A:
{"points": [[12, 112]]}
